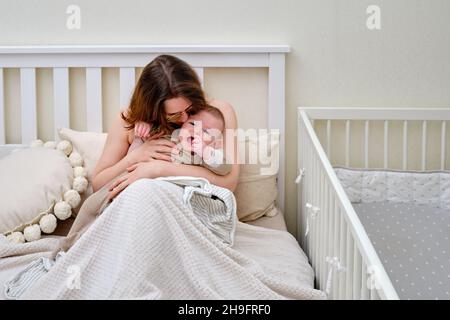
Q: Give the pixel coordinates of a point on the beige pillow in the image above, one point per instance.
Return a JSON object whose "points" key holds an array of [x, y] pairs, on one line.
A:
{"points": [[38, 186], [88, 144], [256, 192]]}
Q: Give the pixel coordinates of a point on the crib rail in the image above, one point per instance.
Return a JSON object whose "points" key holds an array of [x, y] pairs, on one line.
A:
{"points": [[388, 116], [329, 230]]}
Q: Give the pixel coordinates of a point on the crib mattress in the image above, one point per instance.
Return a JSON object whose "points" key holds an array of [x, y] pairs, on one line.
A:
{"points": [[412, 242]]}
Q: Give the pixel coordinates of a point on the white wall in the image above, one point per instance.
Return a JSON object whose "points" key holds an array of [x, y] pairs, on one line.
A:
{"points": [[335, 59]]}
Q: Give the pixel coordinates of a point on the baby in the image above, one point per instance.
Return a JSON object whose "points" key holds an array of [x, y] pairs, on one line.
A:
{"points": [[198, 141]]}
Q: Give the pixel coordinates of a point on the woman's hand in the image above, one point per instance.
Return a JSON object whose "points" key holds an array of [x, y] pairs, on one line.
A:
{"points": [[147, 169], [159, 149]]}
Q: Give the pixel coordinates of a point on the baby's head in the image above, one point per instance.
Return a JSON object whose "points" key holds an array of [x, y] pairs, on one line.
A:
{"points": [[205, 127]]}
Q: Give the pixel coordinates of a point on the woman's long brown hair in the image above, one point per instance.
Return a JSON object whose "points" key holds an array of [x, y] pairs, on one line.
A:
{"points": [[164, 78]]}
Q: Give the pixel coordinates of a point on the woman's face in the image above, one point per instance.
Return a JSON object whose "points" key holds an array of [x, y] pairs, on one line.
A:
{"points": [[175, 107]]}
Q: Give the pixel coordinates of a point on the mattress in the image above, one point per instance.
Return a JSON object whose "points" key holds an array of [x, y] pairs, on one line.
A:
{"points": [[412, 242], [276, 222]]}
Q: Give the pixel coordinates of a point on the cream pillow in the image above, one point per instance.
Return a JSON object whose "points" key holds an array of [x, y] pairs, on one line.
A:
{"points": [[38, 186], [88, 144], [257, 191]]}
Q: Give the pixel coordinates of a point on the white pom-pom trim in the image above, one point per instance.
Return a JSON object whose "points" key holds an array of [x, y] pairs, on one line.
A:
{"points": [[72, 197], [36, 143], [32, 233], [16, 237], [48, 223], [50, 144], [65, 146], [75, 159], [79, 172], [62, 209], [80, 184]]}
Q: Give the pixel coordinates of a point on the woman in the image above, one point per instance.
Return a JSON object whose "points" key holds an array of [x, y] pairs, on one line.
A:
{"points": [[166, 92]]}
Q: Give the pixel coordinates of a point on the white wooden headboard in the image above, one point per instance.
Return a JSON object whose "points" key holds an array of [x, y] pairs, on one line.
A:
{"points": [[127, 58]]}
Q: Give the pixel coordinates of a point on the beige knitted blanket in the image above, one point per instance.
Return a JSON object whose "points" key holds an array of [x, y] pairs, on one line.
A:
{"points": [[148, 244]]}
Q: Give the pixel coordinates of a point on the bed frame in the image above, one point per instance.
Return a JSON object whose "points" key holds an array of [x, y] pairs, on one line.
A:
{"points": [[127, 57], [342, 255]]}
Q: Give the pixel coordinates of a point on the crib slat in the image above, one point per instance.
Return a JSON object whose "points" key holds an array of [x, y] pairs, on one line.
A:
{"points": [[356, 273], [317, 219], [319, 223], [28, 101], [328, 138], [405, 144], [349, 265], [61, 99], [127, 79], [424, 145], [94, 99], [364, 289], [312, 222], [374, 294], [305, 186], [2, 110], [337, 215], [322, 230], [366, 144], [331, 224], [308, 192], [326, 217], [342, 255], [315, 224], [386, 143], [200, 73], [300, 189], [347, 143], [443, 143]]}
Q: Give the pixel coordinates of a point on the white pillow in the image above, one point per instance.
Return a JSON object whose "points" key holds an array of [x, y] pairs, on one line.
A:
{"points": [[88, 144], [39, 185]]}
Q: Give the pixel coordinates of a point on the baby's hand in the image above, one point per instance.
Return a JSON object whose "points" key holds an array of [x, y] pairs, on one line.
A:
{"points": [[142, 130]]}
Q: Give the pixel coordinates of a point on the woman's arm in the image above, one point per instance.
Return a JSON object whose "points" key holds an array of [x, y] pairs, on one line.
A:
{"points": [[113, 160]]}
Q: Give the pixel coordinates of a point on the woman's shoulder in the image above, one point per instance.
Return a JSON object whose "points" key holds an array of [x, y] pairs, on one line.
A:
{"points": [[226, 106], [227, 109], [120, 125]]}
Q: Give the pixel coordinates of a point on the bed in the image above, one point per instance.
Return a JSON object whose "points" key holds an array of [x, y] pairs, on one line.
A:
{"points": [[60, 59], [373, 200]]}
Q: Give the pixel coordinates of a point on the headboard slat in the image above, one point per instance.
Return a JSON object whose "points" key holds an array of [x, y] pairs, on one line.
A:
{"points": [[28, 102], [61, 99], [94, 99], [127, 81]]}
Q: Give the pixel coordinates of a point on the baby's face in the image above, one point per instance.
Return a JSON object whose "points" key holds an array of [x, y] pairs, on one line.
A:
{"points": [[200, 130]]}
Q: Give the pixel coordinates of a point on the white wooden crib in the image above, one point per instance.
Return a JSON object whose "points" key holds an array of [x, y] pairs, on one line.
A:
{"points": [[329, 230]]}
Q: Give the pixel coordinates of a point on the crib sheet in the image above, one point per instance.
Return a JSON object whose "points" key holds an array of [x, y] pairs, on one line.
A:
{"points": [[413, 244]]}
